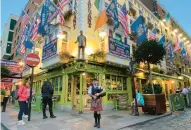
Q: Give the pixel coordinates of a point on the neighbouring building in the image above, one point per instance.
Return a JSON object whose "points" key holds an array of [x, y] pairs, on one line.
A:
{"points": [[107, 56], [7, 38]]}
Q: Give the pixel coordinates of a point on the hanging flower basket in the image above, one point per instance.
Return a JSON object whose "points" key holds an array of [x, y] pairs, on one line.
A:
{"points": [[68, 15]]}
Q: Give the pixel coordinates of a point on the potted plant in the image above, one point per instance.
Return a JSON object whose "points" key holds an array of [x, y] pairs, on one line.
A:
{"points": [[150, 52], [154, 103], [2, 94], [109, 20], [68, 15]]}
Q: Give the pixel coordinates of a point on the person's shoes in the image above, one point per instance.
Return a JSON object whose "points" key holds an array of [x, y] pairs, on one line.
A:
{"points": [[21, 122], [53, 116], [98, 125], [3, 110], [95, 125], [25, 116], [44, 117]]}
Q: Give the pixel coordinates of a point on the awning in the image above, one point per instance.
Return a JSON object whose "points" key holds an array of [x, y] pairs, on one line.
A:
{"points": [[187, 76], [160, 75]]}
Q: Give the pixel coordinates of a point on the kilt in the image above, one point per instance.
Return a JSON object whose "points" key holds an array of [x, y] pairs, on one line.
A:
{"points": [[96, 105]]}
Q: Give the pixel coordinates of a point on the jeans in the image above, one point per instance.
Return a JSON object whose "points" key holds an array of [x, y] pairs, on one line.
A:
{"points": [[22, 106], [27, 107], [5, 103], [47, 100]]}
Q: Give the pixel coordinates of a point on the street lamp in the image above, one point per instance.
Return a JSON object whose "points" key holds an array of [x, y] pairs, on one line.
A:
{"points": [[131, 65]]}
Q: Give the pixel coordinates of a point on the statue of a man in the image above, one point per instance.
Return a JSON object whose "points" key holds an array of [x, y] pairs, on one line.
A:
{"points": [[81, 39]]}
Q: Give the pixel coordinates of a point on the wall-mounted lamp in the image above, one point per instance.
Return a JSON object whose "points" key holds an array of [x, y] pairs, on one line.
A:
{"points": [[61, 35], [102, 34]]}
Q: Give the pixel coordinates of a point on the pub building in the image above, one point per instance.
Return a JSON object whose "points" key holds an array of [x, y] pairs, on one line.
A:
{"points": [[107, 57]]}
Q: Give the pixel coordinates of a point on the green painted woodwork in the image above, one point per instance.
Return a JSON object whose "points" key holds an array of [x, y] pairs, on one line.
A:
{"points": [[129, 89], [81, 89]]}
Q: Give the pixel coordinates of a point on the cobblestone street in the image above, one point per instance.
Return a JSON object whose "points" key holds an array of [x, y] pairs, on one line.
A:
{"points": [[178, 121]]}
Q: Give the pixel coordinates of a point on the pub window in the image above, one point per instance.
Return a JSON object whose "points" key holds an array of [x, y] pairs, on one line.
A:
{"points": [[115, 83], [57, 83], [10, 36]]}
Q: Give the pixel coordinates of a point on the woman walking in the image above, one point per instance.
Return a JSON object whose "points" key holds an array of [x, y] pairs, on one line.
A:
{"points": [[22, 99], [95, 91]]}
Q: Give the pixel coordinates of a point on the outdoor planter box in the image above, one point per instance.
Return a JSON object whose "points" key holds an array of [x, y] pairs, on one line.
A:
{"points": [[154, 103]]}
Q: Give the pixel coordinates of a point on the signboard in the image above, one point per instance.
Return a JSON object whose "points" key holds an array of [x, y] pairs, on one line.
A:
{"points": [[176, 102], [119, 48], [49, 50], [13, 66], [32, 59]]}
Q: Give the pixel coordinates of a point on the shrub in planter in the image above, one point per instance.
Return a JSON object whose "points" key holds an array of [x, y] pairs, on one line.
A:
{"points": [[156, 69], [3, 92], [68, 15], [98, 56], [147, 89], [64, 56]]}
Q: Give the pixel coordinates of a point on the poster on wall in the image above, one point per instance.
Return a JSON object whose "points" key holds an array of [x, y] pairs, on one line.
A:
{"points": [[49, 50], [119, 48]]}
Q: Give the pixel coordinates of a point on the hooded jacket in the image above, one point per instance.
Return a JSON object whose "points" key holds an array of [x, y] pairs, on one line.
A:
{"points": [[47, 89]]}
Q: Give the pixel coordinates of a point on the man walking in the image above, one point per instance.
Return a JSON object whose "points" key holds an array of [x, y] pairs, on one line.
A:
{"points": [[47, 93], [81, 39]]}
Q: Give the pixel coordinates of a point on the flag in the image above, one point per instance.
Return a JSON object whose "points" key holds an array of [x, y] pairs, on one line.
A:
{"points": [[43, 20], [169, 51], [181, 44], [162, 40], [35, 28], [112, 10], [62, 20], [177, 46], [63, 3], [183, 52], [96, 3], [167, 17], [124, 20], [140, 29], [152, 35], [28, 44], [25, 17], [53, 10], [22, 48], [102, 18], [37, 2]]}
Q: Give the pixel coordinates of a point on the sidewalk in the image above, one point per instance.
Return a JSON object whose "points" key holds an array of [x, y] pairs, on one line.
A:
{"points": [[111, 120]]}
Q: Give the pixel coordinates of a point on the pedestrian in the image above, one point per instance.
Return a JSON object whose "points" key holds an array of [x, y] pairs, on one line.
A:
{"points": [[27, 102], [140, 102], [47, 93], [22, 98], [96, 92], [5, 99], [184, 92]]}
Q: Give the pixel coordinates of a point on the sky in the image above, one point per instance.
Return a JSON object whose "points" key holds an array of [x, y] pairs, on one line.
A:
{"points": [[179, 10]]}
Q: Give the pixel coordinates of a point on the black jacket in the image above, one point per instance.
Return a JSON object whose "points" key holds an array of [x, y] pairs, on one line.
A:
{"points": [[47, 89]]}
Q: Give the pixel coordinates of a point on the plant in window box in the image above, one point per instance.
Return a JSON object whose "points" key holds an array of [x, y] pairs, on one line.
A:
{"points": [[98, 56], [156, 69], [158, 31], [133, 36], [55, 2], [64, 57], [144, 19], [109, 20], [132, 11], [150, 26], [68, 15]]}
